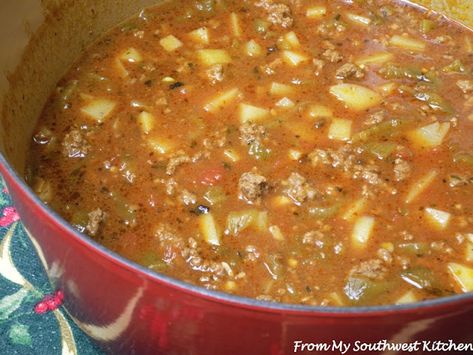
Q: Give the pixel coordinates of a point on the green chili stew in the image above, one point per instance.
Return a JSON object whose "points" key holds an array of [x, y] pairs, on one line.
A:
{"points": [[311, 152]]}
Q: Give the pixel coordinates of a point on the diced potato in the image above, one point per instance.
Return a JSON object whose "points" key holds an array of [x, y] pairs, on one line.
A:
{"points": [[463, 275], [408, 297], [285, 103], [230, 286], [407, 43], [232, 155], [241, 220], [356, 97], [209, 229], [469, 252], [99, 109], [220, 101], [340, 129], [146, 121], [277, 89], [161, 145], [291, 40], [235, 25], [168, 80], [250, 113], [294, 58], [439, 219], [319, 111], [387, 89], [281, 201], [170, 43], [253, 49], [375, 58], [420, 186], [211, 57], [261, 221], [358, 19], [355, 209], [362, 231], [276, 233], [200, 35], [430, 136], [294, 154], [131, 55], [122, 72], [292, 262], [316, 12]]}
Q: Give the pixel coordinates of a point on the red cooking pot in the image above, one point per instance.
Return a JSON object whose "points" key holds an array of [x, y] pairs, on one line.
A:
{"points": [[129, 309]]}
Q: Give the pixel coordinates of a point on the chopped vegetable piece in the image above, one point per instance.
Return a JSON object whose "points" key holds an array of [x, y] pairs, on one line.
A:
{"points": [[285, 103], [355, 209], [439, 219], [200, 35], [375, 59], [381, 150], [276, 233], [463, 275], [427, 25], [232, 155], [420, 277], [211, 57], [407, 43], [253, 49], [215, 195], [319, 111], [358, 19], [340, 129], [209, 229], [469, 252], [99, 109], [235, 25], [384, 129], [434, 100], [250, 113], [294, 58], [161, 145], [131, 55], [463, 158], [430, 136], [241, 220], [289, 41], [294, 154], [170, 43], [146, 121], [277, 89], [316, 12], [362, 231], [220, 101], [421, 185], [356, 97]]}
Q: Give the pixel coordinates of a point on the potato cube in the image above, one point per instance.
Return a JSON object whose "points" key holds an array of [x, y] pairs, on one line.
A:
{"points": [[253, 49], [408, 297], [358, 19], [294, 58], [99, 109], [285, 103], [319, 111], [146, 121], [235, 25], [438, 219], [356, 97], [211, 57], [170, 43], [316, 12], [220, 101], [430, 136], [407, 43], [277, 89], [355, 209], [340, 129], [463, 275], [375, 59], [209, 229], [250, 113], [161, 145], [200, 35], [276, 233], [420, 186], [362, 231]]}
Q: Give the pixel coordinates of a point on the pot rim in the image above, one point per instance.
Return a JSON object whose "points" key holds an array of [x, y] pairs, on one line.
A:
{"points": [[218, 296]]}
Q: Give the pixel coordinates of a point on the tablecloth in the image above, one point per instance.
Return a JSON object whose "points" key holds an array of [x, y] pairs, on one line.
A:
{"points": [[32, 320]]}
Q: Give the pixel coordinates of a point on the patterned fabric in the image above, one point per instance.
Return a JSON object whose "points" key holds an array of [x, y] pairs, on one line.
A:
{"points": [[32, 320]]}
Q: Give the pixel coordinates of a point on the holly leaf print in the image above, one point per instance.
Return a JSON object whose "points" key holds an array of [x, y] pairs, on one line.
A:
{"points": [[19, 334], [11, 303]]}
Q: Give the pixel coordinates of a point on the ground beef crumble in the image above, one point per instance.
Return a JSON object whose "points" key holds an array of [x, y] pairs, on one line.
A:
{"points": [[252, 186]]}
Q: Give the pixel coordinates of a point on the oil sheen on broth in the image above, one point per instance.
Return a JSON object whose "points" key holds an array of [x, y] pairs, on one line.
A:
{"points": [[310, 152]]}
